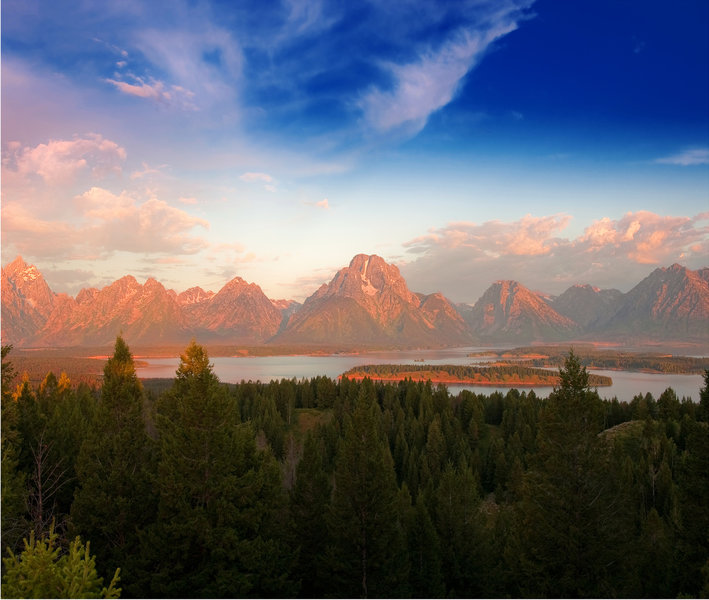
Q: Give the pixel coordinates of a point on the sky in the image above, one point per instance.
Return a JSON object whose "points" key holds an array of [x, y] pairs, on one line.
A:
{"points": [[193, 141]]}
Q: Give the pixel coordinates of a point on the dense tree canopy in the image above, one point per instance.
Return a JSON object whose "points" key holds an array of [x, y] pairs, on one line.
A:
{"points": [[322, 488]]}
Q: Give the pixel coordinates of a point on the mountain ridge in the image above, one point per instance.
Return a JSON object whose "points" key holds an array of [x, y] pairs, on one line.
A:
{"points": [[366, 304]]}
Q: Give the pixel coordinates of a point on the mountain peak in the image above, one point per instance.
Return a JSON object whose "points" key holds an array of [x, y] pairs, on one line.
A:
{"points": [[368, 302], [509, 310], [19, 269]]}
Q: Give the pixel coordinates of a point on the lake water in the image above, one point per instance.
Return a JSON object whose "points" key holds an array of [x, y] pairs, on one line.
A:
{"points": [[626, 384]]}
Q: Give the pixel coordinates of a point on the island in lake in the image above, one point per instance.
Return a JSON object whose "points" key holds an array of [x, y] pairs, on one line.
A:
{"points": [[553, 357], [497, 375]]}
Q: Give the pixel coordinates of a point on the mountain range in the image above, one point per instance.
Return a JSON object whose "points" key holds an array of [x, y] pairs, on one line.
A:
{"points": [[367, 304]]}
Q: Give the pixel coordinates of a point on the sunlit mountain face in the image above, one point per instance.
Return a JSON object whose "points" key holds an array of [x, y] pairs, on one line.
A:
{"points": [[366, 304]]}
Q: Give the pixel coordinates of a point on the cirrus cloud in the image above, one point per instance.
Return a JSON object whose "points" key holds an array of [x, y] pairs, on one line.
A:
{"points": [[687, 158], [155, 90], [423, 86]]}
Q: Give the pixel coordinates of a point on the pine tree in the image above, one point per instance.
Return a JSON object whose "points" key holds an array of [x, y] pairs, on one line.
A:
{"points": [[703, 409], [426, 577], [310, 499], [12, 479], [573, 513], [459, 525], [42, 570], [114, 498], [220, 498], [693, 563], [367, 554]]}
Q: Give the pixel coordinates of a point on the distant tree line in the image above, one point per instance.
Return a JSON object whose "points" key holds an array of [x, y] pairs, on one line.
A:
{"points": [[343, 488], [555, 356], [492, 374]]}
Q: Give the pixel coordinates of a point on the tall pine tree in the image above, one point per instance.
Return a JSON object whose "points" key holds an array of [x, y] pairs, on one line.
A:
{"points": [[220, 498], [114, 496], [368, 555], [573, 513]]}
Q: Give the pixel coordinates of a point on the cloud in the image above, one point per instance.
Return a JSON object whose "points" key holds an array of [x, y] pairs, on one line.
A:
{"points": [[324, 204], [147, 170], [463, 259], [423, 86], [269, 183], [530, 236], [644, 238], [687, 158], [195, 55], [122, 223], [60, 162], [108, 223], [157, 91], [256, 177]]}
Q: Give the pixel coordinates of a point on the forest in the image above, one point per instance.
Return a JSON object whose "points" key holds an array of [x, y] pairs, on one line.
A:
{"points": [[348, 488], [487, 375], [595, 358]]}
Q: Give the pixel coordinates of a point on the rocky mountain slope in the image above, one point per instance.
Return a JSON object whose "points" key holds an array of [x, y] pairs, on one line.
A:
{"points": [[32, 315], [509, 311], [670, 302], [586, 305], [367, 304]]}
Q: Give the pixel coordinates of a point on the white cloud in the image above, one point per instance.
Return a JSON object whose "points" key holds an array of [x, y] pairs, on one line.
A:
{"points": [[200, 56], [687, 158], [424, 86]]}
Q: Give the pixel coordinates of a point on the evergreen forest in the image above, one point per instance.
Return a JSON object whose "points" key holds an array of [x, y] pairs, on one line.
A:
{"points": [[344, 488]]}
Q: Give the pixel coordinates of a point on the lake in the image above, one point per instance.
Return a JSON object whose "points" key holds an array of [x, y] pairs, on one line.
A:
{"points": [[626, 384]]}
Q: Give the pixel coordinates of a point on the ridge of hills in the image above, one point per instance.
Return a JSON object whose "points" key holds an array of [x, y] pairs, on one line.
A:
{"points": [[366, 304]]}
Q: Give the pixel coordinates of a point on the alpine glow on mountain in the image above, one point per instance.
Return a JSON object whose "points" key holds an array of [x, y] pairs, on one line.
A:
{"points": [[367, 304]]}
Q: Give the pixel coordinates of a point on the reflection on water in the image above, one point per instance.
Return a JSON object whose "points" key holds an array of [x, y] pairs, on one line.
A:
{"points": [[267, 368]]}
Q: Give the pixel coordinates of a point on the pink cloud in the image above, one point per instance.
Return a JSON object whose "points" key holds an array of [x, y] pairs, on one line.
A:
{"points": [[147, 170], [157, 91], [60, 162], [108, 223], [643, 237], [530, 236], [463, 259], [256, 177]]}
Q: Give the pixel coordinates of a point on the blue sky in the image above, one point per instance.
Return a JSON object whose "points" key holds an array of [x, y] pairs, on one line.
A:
{"points": [[549, 142]]}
